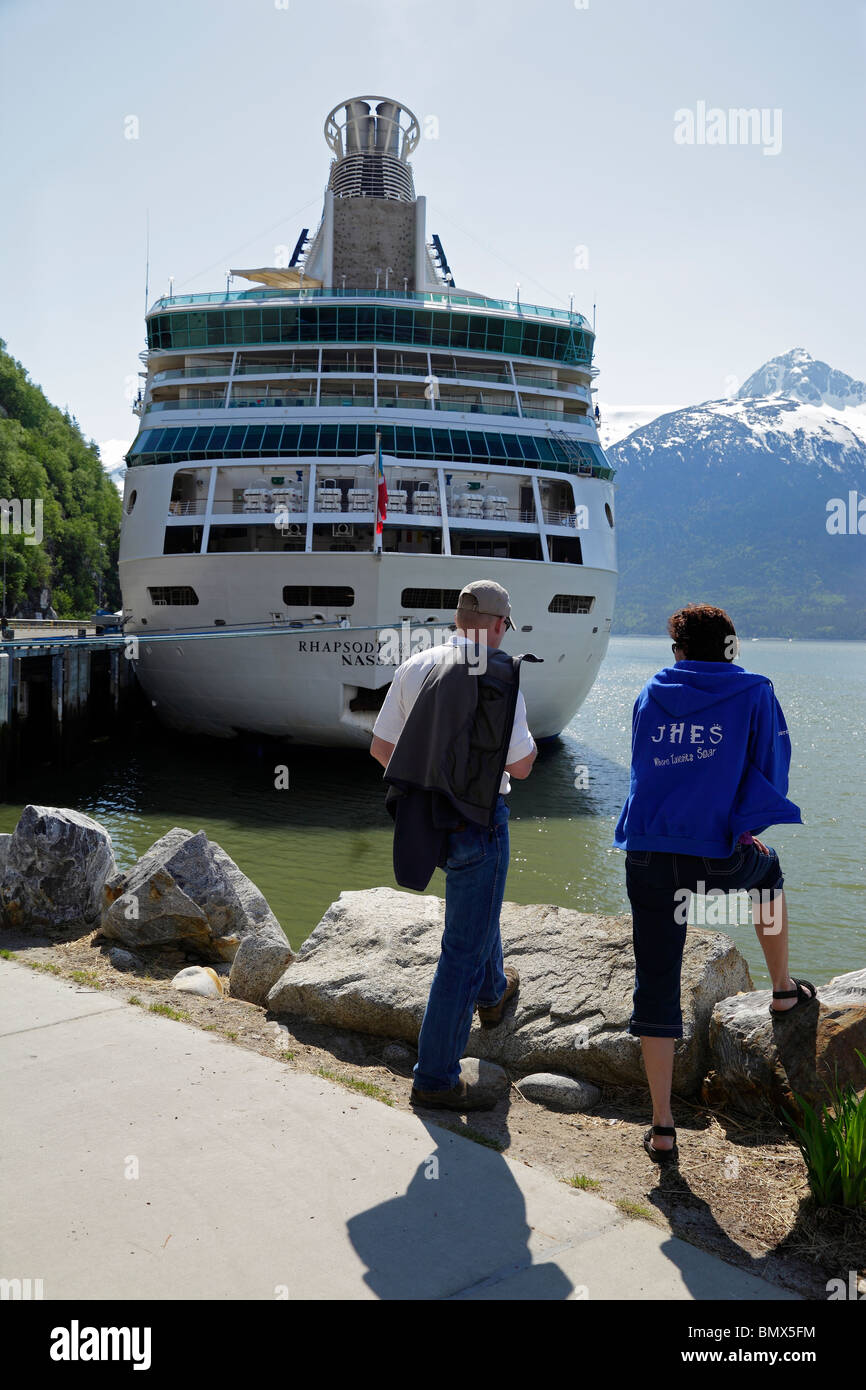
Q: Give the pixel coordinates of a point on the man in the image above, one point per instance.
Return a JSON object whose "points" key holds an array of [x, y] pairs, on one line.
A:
{"points": [[709, 770], [475, 851]]}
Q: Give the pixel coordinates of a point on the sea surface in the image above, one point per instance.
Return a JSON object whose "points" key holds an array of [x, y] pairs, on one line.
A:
{"points": [[328, 830]]}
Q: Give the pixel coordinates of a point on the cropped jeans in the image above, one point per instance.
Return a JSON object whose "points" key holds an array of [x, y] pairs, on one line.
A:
{"points": [[470, 966], [655, 883]]}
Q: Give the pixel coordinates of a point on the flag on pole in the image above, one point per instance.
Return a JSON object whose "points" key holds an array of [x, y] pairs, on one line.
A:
{"points": [[382, 494]]}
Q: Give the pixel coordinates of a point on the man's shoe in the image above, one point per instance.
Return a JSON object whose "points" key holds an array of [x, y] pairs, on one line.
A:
{"points": [[461, 1097], [492, 1017]]}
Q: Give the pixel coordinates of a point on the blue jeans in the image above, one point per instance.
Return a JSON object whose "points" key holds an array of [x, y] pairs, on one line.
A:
{"points": [[470, 966], [659, 888]]}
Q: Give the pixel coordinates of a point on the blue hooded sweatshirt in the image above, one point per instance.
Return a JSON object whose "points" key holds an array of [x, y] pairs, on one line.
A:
{"points": [[710, 755]]}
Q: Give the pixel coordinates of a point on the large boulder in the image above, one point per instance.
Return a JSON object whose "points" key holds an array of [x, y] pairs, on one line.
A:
{"points": [[760, 1061], [258, 964], [55, 865], [369, 963], [187, 891]]}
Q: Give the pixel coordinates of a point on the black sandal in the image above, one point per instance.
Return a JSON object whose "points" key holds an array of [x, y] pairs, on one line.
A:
{"points": [[662, 1156], [799, 994]]}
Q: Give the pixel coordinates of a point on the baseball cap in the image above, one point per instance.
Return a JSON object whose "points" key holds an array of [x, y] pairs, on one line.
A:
{"points": [[488, 597]]}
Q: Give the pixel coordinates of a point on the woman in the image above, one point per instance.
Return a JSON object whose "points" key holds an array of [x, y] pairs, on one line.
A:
{"points": [[709, 772]]}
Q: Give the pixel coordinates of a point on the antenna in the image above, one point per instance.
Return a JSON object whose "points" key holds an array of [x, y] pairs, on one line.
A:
{"points": [[146, 260], [593, 318]]}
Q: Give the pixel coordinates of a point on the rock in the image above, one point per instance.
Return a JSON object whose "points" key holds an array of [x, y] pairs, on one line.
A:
{"points": [[187, 891], [396, 1055], [369, 963], [56, 865], [485, 1077], [5, 842], [199, 979], [125, 960], [258, 964], [759, 1062], [559, 1092]]}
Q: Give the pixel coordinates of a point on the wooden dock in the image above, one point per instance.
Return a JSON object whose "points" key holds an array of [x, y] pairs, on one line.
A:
{"points": [[59, 691]]}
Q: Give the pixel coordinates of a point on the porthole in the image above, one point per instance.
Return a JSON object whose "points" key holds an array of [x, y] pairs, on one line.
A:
{"points": [[608, 513], [131, 500]]}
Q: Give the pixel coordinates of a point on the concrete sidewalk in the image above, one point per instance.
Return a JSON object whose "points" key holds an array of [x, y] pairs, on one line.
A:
{"points": [[256, 1182]]}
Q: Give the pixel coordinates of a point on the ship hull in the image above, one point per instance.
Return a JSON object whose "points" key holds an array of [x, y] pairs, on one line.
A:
{"points": [[317, 685]]}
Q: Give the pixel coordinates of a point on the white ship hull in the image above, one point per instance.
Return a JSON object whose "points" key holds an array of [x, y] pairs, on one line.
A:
{"points": [[300, 685]]}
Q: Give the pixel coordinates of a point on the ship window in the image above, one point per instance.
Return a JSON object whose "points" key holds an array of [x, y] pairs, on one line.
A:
{"points": [[478, 445], [429, 598], [512, 446], [218, 438], [328, 438], [235, 438], [607, 511], [347, 442], [184, 439], [290, 439], [529, 447], [271, 441], [545, 449], [253, 441], [309, 439], [565, 550], [318, 596], [405, 443], [366, 439], [571, 603], [424, 442], [175, 596]]}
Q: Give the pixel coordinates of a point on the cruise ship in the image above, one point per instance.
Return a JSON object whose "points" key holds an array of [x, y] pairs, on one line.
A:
{"points": [[327, 456]]}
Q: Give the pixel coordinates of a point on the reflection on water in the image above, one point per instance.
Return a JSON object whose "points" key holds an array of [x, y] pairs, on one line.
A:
{"points": [[329, 830]]}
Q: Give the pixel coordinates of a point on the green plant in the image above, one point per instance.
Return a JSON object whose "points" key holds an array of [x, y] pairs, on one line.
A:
{"points": [[583, 1182], [634, 1209], [364, 1088], [133, 999], [467, 1132], [8, 955], [48, 966], [86, 977], [833, 1144], [168, 1012]]}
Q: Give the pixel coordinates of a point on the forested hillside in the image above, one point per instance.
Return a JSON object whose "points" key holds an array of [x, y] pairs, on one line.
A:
{"points": [[43, 455]]}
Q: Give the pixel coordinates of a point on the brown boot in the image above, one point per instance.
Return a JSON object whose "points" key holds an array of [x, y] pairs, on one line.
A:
{"points": [[492, 1017], [461, 1097]]}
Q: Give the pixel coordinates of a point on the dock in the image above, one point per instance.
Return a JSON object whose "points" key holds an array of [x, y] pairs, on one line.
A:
{"points": [[59, 689]]}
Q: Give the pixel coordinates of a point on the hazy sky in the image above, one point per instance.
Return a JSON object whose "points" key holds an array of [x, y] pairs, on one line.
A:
{"points": [[556, 131]]}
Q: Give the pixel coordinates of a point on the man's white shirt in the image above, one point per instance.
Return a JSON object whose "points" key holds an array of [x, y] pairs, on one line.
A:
{"points": [[404, 690]]}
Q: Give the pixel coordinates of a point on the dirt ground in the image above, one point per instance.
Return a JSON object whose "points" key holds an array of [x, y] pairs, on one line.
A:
{"points": [[740, 1190]]}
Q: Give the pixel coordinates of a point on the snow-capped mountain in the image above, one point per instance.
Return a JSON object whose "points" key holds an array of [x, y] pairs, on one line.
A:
{"points": [[111, 453], [730, 502], [799, 377]]}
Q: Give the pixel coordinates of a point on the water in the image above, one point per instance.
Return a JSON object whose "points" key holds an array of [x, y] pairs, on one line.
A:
{"points": [[329, 830]]}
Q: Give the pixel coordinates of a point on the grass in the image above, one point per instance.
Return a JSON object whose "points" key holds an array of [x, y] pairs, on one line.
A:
{"points": [[227, 1033], [583, 1182], [467, 1132], [833, 1144], [8, 955], [134, 999], [86, 977], [635, 1210], [168, 1012], [48, 966], [364, 1088], [288, 1056]]}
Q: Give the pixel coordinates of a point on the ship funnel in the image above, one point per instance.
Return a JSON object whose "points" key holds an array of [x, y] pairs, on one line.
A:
{"points": [[371, 151], [388, 128], [358, 127]]}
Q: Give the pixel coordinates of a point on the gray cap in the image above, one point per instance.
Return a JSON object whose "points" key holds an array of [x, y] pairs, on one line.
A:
{"points": [[488, 597]]}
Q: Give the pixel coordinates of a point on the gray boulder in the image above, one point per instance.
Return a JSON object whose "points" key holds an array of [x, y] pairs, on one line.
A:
{"points": [[187, 891], [559, 1092], [760, 1061], [125, 960], [485, 1078], [260, 961], [369, 963], [56, 863]]}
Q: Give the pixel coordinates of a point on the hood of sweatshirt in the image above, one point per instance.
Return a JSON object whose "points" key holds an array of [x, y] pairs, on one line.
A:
{"points": [[694, 685]]}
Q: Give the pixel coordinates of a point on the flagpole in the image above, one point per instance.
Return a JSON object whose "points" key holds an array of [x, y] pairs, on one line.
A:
{"points": [[377, 533]]}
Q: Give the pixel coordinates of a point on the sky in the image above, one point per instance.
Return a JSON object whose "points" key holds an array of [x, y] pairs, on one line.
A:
{"points": [[562, 150]]}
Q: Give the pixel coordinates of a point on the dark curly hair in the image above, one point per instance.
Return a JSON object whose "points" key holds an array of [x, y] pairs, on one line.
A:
{"points": [[702, 633]]}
